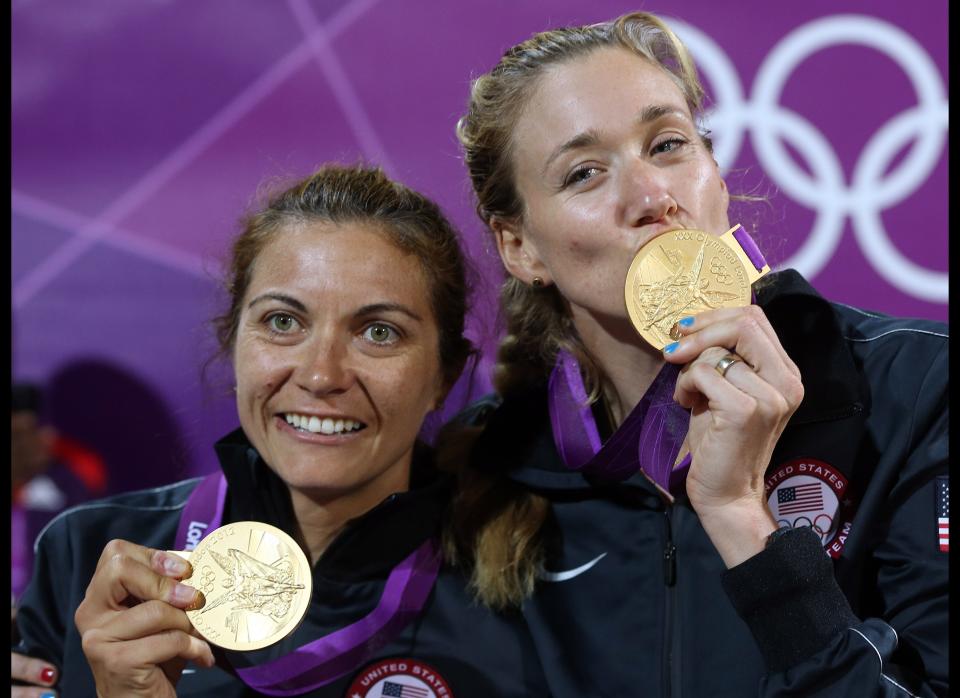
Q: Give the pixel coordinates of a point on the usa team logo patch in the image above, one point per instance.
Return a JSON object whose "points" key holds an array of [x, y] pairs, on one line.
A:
{"points": [[809, 492], [399, 677]]}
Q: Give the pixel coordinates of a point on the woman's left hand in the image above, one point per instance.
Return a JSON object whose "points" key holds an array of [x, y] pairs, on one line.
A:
{"points": [[735, 422]]}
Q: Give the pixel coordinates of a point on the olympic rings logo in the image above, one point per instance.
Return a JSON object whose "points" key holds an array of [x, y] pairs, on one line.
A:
{"points": [[869, 192]]}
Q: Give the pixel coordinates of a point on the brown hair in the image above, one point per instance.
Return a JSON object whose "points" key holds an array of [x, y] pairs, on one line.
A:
{"points": [[495, 523], [355, 194]]}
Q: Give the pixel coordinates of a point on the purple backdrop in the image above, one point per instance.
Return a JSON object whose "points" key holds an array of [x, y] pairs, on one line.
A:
{"points": [[142, 130]]}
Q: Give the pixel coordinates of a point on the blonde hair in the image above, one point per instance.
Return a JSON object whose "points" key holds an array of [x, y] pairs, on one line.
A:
{"points": [[495, 523], [538, 319]]}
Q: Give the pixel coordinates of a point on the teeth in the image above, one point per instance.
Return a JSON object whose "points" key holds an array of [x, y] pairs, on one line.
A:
{"points": [[326, 425]]}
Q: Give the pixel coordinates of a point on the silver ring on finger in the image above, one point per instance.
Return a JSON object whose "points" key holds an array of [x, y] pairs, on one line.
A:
{"points": [[725, 362]]}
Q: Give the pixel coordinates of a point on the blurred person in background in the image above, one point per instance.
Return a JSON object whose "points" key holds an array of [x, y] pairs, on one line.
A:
{"points": [[49, 471]]}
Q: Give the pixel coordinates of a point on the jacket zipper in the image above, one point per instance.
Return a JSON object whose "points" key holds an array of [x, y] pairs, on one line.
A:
{"points": [[669, 580]]}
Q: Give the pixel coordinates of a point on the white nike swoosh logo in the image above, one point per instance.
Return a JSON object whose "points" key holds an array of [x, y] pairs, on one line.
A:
{"points": [[570, 574]]}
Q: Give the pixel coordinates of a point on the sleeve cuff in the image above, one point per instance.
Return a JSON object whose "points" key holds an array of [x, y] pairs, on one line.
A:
{"points": [[789, 599]]}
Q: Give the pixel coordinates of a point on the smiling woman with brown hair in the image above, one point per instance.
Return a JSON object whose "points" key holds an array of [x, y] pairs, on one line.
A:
{"points": [[660, 510], [347, 295]]}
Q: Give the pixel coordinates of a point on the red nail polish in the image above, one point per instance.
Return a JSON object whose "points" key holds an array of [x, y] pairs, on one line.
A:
{"points": [[46, 676]]}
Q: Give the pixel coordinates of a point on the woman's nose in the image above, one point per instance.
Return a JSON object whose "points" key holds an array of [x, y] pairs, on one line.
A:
{"points": [[646, 194], [325, 369]]}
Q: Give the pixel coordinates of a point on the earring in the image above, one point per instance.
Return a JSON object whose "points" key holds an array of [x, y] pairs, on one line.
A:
{"points": [[537, 282]]}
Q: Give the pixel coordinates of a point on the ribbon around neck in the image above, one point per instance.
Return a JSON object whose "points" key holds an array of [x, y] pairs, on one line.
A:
{"points": [[649, 439], [335, 654]]}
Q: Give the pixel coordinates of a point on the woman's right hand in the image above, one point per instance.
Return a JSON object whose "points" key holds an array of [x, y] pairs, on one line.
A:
{"points": [[135, 631]]}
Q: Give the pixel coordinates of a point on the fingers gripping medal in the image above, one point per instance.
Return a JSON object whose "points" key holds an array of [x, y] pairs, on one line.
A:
{"points": [[257, 583], [685, 272]]}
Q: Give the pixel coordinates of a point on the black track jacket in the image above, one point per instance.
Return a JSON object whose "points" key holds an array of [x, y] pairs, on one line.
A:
{"points": [[635, 600], [455, 648]]}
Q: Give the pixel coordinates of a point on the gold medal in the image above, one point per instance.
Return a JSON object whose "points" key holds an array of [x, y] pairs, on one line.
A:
{"points": [[682, 273], [257, 583]]}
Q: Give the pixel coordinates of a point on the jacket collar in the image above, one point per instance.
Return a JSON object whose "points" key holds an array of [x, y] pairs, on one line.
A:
{"points": [[809, 330], [371, 544]]}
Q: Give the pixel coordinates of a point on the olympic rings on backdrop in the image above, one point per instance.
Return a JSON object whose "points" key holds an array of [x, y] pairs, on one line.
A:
{"points": [[826, 192]]}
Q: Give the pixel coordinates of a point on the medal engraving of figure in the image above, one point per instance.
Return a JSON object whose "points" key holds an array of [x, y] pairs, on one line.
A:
{"points": [[257, 584], [684, 272]]}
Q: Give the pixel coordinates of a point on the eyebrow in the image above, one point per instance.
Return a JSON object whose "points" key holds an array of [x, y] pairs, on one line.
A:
{"points": [[592, 136], [377, 308], [288, 300]]}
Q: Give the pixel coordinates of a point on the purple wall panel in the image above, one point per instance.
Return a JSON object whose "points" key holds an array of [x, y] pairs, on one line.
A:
{"points": [[141, 132], [32, 241], [293, 128]]}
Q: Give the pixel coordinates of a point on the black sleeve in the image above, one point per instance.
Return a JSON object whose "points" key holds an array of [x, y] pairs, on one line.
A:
{"points": [[811, 641], [43, 614]]}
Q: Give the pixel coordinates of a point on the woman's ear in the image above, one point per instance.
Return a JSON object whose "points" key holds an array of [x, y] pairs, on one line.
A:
{"points": [[518, 251]]}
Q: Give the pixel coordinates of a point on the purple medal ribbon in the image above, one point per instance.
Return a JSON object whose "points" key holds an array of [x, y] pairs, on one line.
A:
{"points": [[202, 512], [326, 659], [649, 438], [750, 248]]}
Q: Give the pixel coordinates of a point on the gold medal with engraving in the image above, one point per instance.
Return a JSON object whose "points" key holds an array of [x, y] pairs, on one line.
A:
{"points": [[682, 273], [257, 583]]}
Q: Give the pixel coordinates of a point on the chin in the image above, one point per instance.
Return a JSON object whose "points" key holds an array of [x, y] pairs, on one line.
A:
{"points": [[312, 476]]}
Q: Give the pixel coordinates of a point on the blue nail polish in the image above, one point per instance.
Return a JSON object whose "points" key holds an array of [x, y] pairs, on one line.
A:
{"points": [[670, 348], [48, 694], [685, 321]]}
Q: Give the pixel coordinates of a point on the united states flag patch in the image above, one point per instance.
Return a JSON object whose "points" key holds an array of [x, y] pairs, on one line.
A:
{"points": [[806, 497], [943, 513], [398, 690]]}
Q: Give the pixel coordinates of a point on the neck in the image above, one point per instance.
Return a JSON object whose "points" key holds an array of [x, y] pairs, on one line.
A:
{"points": [[629, 365], [322, 514]]}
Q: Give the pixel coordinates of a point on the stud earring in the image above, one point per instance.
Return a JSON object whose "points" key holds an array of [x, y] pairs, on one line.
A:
{"points": [[537, 282]]}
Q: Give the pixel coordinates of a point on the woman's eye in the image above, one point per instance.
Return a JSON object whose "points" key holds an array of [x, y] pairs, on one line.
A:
{"points": [[669, 145], [581, 174], [378, 333], [282, 323]]}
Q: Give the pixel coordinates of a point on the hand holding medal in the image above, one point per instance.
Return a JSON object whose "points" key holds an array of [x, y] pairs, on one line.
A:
{"points": [[136, 634], [688, 293], [249, 586]]}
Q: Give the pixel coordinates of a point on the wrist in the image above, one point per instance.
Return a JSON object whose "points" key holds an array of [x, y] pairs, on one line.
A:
{"points": [[738, 532]]}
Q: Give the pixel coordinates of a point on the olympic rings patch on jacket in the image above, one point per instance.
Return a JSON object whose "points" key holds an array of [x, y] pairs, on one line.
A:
{"points": [[810, 492]]}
